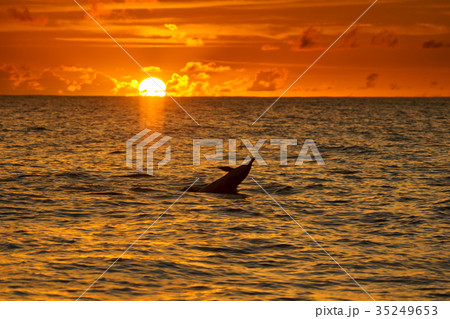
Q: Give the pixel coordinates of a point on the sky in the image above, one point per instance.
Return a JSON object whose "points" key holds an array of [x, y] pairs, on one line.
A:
{"points": [[226, 48]]}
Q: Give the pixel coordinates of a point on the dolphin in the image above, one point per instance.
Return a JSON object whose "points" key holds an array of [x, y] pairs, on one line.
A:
{"points": [[228, 183]]}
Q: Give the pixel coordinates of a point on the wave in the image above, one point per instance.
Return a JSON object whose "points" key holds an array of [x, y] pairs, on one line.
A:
{"points": [[134, 175]]}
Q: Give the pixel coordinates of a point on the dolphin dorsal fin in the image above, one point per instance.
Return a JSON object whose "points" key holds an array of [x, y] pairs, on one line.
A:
{"points": [[225, 168]]}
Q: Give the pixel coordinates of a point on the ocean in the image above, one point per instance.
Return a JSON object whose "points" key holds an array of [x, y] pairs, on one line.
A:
{"points": [[70, 206]]}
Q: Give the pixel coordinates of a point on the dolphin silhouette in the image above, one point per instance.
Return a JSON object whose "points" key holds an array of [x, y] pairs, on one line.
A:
{"points": [[228, 183]]}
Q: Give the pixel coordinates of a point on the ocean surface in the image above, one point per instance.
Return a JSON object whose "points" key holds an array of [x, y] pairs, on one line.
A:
{"points": [[69, 205]]}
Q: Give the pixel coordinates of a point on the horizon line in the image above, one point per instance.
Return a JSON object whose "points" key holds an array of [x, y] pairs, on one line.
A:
{"points": [[233, 96]]}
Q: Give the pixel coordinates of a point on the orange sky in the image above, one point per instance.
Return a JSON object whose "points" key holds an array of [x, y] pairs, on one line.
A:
{"points": [[234, 47]]}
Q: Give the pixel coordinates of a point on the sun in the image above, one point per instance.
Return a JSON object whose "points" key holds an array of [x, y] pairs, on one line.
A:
{"points": [[152, 87]]}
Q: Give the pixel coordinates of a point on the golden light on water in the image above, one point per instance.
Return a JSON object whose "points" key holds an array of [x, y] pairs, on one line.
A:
{"points": [[152, 87]]}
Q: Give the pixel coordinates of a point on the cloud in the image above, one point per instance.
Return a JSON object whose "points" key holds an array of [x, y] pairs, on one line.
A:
{"points": [[431, 44], [23, 15], [75, 69], [46, 82], [192, 67], [63, 80], [109, 9], [115, 9], [269, 47], [194, 42], [309, 38], [385, 38], [394, 86], [171, 27], [180, 36], [267, 80], [151, 69], [195, 81], [76, 78], [191, 85], [15, 80], [183, 85], [98, 9], [371, 80], [87, 81], [7, 72], [129, 88], [204, 79], [350, 39], [100, 83], [236, 86], [202, 76], [51, 83], [177, 84]]}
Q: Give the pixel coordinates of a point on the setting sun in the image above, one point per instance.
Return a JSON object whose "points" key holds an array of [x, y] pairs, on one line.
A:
{"points": [[152, 87]]}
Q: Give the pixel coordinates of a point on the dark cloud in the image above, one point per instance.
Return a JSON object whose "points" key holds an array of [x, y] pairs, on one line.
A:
{"points": [[385, 38], [17, 14], [50, 83], [309, 38], [350, 39], [394, 86], [267, 80], [23, 15], [431, 44], [101, 84], [371, 80]]}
